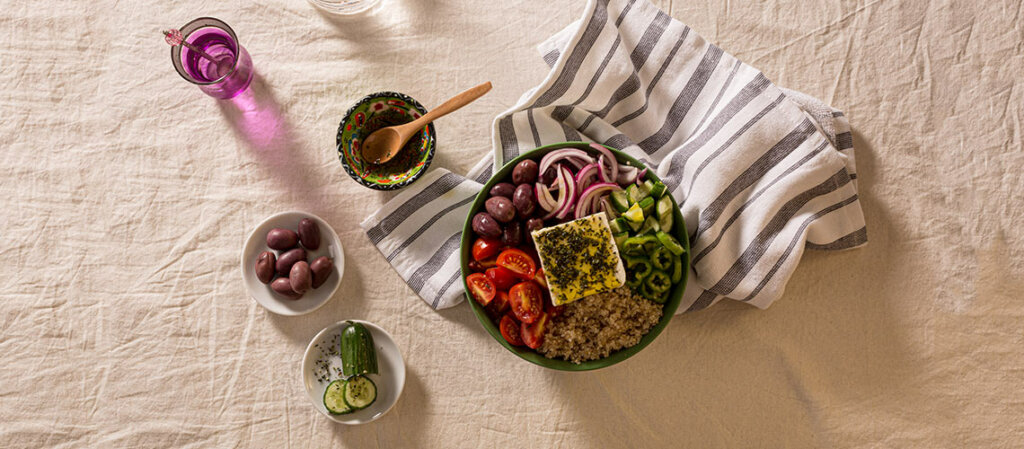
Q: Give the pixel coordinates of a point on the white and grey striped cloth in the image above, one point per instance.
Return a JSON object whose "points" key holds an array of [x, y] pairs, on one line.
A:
{"points": [[761, 172]]}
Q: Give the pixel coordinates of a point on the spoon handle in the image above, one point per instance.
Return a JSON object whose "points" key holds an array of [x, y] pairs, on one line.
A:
{"points": [[449, 106]]}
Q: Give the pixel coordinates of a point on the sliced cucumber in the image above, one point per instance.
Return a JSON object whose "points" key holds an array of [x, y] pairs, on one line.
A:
{"points": [[635, 225], [647, 205], [635, 214], [334, 399], [658, 190], [360, 392], [665, 223], [620, 200], [650, 226], [633, 191], [617, 225], [648, 185], [670, 242], [665, 211], [357, 353]]}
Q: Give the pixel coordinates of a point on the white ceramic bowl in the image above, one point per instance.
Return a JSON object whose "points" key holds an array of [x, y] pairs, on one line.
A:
{"points": [[330, 246], [390, 381]]}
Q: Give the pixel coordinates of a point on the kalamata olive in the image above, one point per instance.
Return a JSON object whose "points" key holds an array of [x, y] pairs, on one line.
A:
{"points": [[503, 189], [500, 208], [283, 287], [485, 225], [282, 239], [300, 277], [309, 233], [285, 262], [524, 200], [549, 175], [513, 234], [322, 267], [534, 225], [265, 266], [525, 172]]}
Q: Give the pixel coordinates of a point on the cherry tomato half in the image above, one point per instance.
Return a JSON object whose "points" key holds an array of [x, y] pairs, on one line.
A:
{"points": [[510, 330], [502, 277], [533, 334], [527, 301], [481, 287], [518, 262], [498, 306], [485, 248]]}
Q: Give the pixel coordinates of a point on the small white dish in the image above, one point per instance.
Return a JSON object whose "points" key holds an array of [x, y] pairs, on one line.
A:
{"points": [[330, 246], [390, 381]]}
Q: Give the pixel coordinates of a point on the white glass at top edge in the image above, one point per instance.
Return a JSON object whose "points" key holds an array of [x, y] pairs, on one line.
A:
{"points": [[345, 7]]}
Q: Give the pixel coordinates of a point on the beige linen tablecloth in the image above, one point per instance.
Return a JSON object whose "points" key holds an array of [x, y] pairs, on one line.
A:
{"points": [[127, 195]]}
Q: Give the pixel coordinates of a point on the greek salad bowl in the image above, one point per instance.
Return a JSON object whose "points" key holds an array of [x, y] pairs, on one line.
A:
{"points": [[574, 256]]}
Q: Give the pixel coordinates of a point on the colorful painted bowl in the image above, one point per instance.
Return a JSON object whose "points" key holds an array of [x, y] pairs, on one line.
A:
{"points": [[377, 111]]}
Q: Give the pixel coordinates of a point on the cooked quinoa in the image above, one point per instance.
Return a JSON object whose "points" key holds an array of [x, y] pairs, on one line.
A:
{"points": [[595, 326]]}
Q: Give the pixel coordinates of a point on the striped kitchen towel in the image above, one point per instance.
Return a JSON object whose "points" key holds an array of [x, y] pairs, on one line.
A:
{"points": [[760, 172]]}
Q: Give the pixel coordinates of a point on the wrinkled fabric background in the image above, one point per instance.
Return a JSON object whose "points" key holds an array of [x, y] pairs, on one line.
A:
{"points": [[127, 195]]}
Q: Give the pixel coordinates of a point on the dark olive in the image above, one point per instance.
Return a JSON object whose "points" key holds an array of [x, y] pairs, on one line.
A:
{"points": [[282, 239], [309, 234], [524, 200], [503, 189], [283, 287], [525, 172], [265, 266], [300, 278], [513, 234], [285, 262], [322, 267], [533, 224], [485, 225], [500, 208]]}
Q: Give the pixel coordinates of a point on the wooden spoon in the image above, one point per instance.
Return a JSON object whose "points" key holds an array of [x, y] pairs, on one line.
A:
{"points": [[383, 144]]}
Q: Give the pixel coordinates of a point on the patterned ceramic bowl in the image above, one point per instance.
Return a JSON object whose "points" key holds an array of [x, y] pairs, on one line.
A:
{"points": [[377, 111]]}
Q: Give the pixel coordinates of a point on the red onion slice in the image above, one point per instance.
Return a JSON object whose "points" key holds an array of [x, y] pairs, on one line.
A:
{"points": [[594, 192], [578, 157], [640, 176], [627, 175], [570, 193], [613, 164], [544, 198]]}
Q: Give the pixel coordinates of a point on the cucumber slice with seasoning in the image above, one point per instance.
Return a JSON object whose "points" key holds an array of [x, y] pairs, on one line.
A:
{"points": [[620, 200], [357, 353], [658, 190], [634, 214], [360, 392], [670, 242], [334, 398]]}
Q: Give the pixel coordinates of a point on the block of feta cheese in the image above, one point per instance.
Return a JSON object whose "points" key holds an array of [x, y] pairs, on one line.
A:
{"points": [[579, 258]]}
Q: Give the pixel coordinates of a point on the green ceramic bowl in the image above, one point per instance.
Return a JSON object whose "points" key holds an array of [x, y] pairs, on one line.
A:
{"points": [[376, 111], [468, 236]]}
